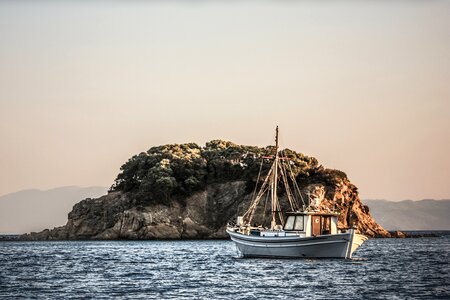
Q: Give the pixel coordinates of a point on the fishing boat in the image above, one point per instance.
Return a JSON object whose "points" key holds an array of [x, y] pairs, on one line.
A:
{"points": [[301, 231]]}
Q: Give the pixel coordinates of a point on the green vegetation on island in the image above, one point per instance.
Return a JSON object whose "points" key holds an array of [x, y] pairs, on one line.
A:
{"points": [[181, 169]]}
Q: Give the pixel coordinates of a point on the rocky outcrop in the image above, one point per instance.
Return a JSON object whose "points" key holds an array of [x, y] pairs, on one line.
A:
{"points": [[191, 192], [203, 215], [398, 234], [343, 196]]}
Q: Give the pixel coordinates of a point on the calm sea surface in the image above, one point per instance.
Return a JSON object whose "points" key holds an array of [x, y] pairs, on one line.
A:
{"points": [[382, 268]]}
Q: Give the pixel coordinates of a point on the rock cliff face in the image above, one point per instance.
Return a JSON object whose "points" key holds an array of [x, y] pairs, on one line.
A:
{"points": [[203, 189], [204, 215], [344, 196]]}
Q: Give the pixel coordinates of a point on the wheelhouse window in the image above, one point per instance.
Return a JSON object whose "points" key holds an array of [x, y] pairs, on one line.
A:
{"points": [[299, 223], [289, 223]]}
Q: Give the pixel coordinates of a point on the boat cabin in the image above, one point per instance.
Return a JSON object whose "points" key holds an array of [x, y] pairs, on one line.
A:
{"points": [[311, 223]]}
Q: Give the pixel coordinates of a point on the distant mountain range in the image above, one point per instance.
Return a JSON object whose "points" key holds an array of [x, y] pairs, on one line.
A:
{"points": [[411, 215], [35, 210]]}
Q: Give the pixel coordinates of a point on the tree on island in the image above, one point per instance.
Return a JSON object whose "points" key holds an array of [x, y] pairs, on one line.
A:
{"points": [[180, 170]]}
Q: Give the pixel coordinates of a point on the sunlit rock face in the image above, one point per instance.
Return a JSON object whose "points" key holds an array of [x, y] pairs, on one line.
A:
{"points": [[203, 216], [191, 192], [343, 197], [316, 195]]}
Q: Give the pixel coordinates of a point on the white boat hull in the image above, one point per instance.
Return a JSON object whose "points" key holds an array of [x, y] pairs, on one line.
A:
{"points": [[340, 245]]}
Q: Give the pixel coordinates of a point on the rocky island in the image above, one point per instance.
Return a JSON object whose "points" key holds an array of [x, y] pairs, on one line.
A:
{"points": [[191, 192]]}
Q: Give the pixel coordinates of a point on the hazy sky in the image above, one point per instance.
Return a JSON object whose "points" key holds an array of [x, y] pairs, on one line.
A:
{"points": [[363, 86]]}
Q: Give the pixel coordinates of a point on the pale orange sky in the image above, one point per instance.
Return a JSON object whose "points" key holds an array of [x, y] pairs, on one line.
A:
{"points": [[362, 86]]}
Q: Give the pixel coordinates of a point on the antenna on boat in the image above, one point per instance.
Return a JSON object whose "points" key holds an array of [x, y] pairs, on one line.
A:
{"points": [[275, 183]]}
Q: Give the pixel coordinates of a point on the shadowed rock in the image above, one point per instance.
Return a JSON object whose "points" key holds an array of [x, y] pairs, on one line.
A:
{"points": [[188, 192]]}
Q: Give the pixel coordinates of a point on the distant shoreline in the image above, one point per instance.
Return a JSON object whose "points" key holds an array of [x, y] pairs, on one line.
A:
{"points": [[408, 234], [424, 233]]}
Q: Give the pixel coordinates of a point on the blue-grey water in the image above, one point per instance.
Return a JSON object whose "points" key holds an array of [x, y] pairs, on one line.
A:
{"points": [[381, 269]]}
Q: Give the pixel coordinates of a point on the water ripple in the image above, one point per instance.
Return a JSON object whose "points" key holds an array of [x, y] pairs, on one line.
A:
{"points": [[382, 269]]}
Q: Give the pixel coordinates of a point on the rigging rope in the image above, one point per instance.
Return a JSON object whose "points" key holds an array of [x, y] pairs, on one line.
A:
{"points": [[257, 180], [248, 216], [285, 173], [289, 195], [294, 182]]}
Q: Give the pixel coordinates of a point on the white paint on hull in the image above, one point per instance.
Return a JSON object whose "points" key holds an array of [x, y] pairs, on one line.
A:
{"points": [[325, 246]]}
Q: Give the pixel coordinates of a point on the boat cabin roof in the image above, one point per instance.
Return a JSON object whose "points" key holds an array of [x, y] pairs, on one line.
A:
{"points": [[315, 213]]}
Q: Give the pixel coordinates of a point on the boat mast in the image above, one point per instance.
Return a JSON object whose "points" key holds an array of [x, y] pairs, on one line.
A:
{"points": [[275, 183]]}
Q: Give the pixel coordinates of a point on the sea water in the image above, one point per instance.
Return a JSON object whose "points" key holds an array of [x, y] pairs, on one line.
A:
{"points": [[381, 268]]}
